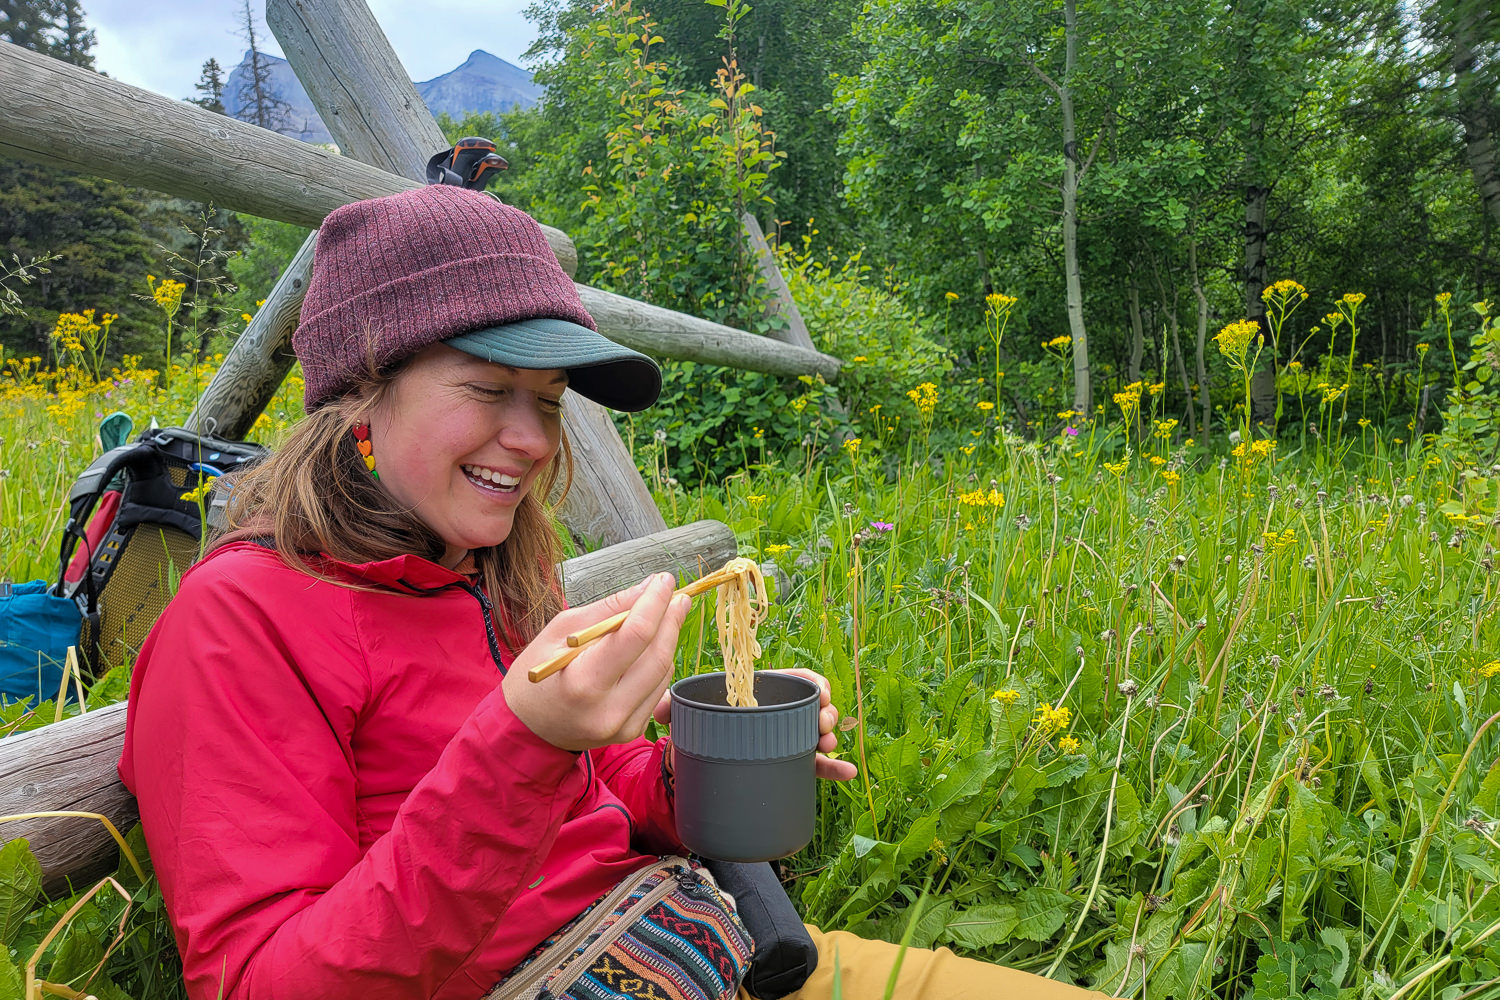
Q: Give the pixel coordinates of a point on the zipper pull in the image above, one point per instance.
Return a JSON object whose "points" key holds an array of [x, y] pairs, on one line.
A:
{"points": [[691, 882]]}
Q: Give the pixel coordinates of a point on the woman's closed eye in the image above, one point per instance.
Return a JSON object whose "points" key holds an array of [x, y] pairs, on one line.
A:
{"points": [[547, 404]]}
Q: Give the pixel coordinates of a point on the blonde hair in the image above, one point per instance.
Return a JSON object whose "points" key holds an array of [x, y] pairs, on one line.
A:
{"points": [[314, 496]]}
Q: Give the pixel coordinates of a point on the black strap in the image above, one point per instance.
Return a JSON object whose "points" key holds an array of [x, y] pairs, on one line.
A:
{"points": [[472, 163]]}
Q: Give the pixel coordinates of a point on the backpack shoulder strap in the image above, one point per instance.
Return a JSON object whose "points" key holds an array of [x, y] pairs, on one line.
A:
{"points": [[88, 488]]}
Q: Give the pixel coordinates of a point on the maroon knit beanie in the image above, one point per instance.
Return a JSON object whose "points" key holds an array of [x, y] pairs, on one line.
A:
{"points": [[392, 275]]}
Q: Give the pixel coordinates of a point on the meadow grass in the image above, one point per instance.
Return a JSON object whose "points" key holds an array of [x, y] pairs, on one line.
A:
{"points": [[1162, 721]]}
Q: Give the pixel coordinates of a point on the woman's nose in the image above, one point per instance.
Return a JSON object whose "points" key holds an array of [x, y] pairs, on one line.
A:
{"points": [[526, 429]]}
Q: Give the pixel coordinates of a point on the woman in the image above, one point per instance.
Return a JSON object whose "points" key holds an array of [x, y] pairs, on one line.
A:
{"points": [[348, 785]]}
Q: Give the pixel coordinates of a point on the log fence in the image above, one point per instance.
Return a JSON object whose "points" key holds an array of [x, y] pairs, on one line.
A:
{"points": [[63, 116]]}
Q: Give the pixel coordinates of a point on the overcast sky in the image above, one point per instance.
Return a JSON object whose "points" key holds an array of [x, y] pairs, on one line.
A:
{"points": [[162, 45]]}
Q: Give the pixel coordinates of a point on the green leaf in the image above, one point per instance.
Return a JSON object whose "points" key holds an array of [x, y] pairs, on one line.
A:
{"points": [[966, 778], [1040, 913], [12, 985], [20, 885], [982, 926]]}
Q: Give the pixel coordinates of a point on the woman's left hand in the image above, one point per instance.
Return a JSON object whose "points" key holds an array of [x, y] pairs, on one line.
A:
{"points": [[828, 718]]}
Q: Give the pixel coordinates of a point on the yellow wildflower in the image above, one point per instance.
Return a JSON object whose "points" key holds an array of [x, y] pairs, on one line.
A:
{"points": [[1051, 720], [1284, 290], [852, 445], [1234, 340], [985, 404], [1006, 696], [1172, 478], [197, 495], [1068, 745], [167, 295], [951, 296], [1490, 669], [925, 396]]}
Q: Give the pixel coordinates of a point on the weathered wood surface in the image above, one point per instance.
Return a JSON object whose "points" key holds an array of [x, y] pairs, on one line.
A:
{"points": [[61, 115], [71, 764], [348, 68], [783, 304], [256, 365], [689, 551], [373, 112], [667, 334]]}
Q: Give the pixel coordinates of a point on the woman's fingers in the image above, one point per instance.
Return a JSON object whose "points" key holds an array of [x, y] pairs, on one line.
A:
{"points": [[835, 770], [647, 681], [609, 692], [608, 659]]}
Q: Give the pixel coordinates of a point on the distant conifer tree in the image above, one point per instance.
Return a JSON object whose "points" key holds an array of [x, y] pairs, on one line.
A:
{"points": [[256, 97], [210, 88]]}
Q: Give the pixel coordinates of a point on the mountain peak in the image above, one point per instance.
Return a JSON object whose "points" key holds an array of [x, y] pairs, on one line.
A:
{"points": [[484, 83]]}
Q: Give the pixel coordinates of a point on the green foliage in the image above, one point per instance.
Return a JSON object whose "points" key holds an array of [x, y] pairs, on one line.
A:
{"points": [[1471, 422], [269, 247], [103, 257]]}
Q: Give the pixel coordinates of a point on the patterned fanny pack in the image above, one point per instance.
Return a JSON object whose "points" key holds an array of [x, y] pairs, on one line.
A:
{"points": [[664, 933]]}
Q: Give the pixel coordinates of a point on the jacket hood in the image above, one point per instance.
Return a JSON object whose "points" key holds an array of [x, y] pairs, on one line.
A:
{"points": [[406, 573]]}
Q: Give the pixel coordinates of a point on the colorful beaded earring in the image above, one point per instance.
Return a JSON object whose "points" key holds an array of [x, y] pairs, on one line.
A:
{"points": [[362, 442]]}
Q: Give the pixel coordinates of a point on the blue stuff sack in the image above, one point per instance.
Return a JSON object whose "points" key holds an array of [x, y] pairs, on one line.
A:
{"points": [[36, 629]]}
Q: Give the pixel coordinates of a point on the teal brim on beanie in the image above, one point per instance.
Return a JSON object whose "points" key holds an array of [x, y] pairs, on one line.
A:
{"points": [[597, 367]]}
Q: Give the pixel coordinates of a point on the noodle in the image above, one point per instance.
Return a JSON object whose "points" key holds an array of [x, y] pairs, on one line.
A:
{"points": [[742, 606]]}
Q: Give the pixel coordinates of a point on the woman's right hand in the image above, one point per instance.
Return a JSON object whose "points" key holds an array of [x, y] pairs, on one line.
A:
{"points": [[606, 695]]}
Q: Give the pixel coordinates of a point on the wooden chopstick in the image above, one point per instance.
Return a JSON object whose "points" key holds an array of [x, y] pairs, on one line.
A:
{"points": [[579, 639]]}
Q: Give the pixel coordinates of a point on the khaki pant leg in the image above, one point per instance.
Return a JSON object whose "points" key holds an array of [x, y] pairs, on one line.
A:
{"points": [[864, 966]]}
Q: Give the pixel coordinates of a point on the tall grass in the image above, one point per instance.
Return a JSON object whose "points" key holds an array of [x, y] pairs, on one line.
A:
{"points": [[1161, 721]]}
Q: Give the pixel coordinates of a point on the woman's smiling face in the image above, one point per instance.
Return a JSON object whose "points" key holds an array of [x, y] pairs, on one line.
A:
{"points": [[459, 441]]}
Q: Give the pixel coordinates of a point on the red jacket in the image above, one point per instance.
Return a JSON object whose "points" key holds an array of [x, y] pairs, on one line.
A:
{"points": [[338, 801]]}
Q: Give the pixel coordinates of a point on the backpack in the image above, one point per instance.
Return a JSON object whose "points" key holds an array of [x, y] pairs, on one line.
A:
{"points": [[133, 527]]}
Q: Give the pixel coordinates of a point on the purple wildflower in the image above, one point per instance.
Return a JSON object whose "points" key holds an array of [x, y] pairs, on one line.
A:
{"points": [[1071, 431], [882, 525]]}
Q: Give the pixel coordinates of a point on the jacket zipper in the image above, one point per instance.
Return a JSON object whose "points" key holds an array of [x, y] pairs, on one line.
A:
{"points": [[489, 624], [534, 986]]}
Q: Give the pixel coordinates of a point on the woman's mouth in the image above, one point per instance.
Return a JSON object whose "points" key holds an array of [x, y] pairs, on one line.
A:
{"points": [[491, 479]]}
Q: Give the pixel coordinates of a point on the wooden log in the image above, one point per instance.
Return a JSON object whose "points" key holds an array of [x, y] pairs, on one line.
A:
{"points": [[258, 362], [350, 71], [61, 115], [689, 552], [70, 765], [795, 331], [355, 80], [783, 304], [664, 333]]}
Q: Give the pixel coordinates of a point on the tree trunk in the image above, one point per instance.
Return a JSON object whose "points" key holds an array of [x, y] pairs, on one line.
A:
{"points": [[1256, 277], [1083, 400], [1137, 329], [1182, 374], [1202, 341], [1477, 113]]}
